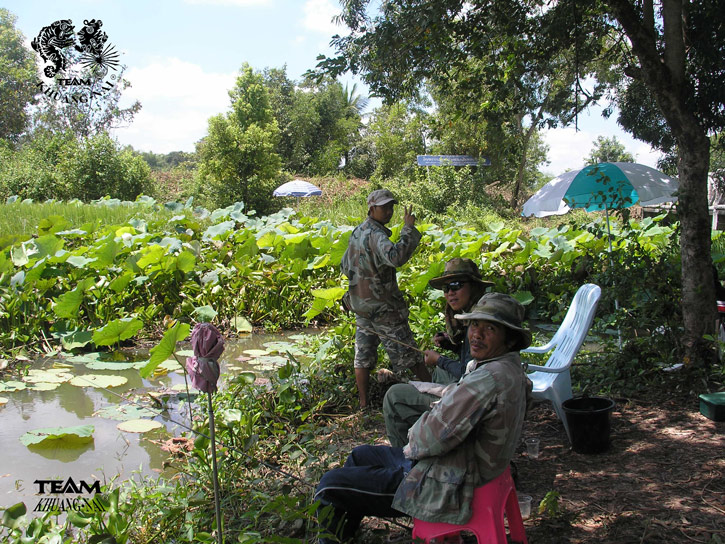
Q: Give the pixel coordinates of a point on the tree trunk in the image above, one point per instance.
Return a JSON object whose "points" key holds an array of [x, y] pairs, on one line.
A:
{"points": [[698, 290], [664, 76], [524, 156]]}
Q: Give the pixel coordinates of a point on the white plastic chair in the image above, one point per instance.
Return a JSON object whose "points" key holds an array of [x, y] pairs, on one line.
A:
{"points": [[552, 381]]}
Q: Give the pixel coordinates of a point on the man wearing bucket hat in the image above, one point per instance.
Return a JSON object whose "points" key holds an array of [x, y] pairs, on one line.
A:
{"points": [[462, 287], [464, 440], [373, 295]]}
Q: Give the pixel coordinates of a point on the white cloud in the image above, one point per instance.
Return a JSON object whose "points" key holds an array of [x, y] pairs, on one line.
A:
{"points": [[569, 149], [318, 17], [177, 99]]}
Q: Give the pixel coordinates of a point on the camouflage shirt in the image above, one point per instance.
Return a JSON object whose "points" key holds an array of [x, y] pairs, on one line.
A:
{"points": [[370, 262], [465, 440]]}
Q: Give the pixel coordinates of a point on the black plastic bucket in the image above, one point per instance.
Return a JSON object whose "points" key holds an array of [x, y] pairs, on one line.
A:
{"points": [[588, 420]]}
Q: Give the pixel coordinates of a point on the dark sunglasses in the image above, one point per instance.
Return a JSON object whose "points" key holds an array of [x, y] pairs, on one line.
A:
{"points": [[453, 286]]}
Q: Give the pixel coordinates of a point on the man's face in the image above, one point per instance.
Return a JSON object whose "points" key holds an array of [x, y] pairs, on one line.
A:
{"points": [[487, 339], [382, 214]]}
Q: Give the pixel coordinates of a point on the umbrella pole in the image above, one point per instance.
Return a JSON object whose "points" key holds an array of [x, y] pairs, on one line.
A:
{"points": [[611, 263], [217, 506]]}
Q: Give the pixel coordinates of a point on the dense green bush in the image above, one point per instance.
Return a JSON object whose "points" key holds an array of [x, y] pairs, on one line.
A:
{"points": [[60, 167]]}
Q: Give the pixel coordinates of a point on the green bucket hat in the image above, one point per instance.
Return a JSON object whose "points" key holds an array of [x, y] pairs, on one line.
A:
{"points": [[461, 270], [504, 310]]}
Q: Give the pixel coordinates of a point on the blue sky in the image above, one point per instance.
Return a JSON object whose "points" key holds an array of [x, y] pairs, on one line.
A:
{"points": [[183, 56]]}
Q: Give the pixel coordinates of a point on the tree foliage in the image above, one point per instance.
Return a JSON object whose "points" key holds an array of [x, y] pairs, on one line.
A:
{"points": [[59, 166], [238, 158], [608, 150], [17, 78], [535, 57]]}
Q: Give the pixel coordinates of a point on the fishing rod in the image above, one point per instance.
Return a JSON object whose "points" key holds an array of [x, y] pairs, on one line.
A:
{"points": [[196, 432], [390, 338]]}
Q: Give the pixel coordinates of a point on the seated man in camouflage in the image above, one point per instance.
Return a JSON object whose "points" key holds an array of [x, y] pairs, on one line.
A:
{"points": [[466, 439]]}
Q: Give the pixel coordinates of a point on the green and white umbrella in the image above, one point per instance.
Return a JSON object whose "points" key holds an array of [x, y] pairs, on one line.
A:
{"points": [[603, 187]]}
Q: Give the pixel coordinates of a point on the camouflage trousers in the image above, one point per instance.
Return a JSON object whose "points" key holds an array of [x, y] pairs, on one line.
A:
{"points": [[391, 326], [404, 404]]}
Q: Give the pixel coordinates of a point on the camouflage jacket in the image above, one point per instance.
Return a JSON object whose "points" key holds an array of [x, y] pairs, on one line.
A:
{"points": [[465, 440], [370, 262]]}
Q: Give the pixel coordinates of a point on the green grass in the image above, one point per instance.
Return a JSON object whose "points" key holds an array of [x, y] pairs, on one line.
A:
{"points": [[21, 219]]}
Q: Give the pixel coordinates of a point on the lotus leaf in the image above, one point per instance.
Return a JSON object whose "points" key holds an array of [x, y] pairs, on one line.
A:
{"points": [[205, 314], [69, 435], [51, 375], [257, 352], [76, 339], [181, 388], [43, 386], [139, 425], [98, 380], [3, 401], [241, 324], [165, 347], [10, 386], [170, 365], [111, 365], [79, 261], [116, 331], [125, 412], [85, 358], [185, 353]]}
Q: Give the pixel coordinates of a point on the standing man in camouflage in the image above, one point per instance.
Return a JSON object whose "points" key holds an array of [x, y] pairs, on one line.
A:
{"points": [[464, 440], [381, 311]]}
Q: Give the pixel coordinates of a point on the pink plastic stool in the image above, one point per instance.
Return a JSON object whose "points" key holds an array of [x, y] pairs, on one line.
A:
{"points": [[490, 501]]}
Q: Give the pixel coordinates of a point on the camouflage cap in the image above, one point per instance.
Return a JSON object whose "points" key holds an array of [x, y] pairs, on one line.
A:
{"points": [[458, 269], [502, 309], [380, 197]]}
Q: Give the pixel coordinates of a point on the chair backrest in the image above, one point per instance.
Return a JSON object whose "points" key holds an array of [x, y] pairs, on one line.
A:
{"points": [[573, 330]]}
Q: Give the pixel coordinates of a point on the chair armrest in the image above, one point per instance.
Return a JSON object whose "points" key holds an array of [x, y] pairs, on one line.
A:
{"points": [[540, 349], [547, 369]]}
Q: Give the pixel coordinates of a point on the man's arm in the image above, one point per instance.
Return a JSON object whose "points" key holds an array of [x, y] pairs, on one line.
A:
{"points": [[396, 255], [450, 421]]}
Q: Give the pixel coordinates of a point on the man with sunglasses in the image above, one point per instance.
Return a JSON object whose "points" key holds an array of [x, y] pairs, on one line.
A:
{"points": [[380, 309]]}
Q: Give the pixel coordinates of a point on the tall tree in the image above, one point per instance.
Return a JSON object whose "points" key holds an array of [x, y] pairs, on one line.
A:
{"points": [[98, 112], [608, 150], [17, 78], [238, 158], [624, 43]]}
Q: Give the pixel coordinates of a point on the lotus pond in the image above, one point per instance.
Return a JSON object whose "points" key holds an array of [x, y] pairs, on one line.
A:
{"points": [[93, 418]]}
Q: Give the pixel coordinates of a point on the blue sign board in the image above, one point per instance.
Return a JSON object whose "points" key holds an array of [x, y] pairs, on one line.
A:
{"points": [[452, 160]]}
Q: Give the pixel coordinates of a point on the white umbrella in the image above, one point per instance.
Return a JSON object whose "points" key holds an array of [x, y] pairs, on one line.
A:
{"points": [[298, 188]]}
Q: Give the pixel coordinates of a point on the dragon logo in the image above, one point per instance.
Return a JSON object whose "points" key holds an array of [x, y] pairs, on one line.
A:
{"points": [[95, 55]]}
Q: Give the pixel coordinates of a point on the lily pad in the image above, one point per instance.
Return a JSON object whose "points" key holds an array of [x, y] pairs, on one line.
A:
{"points": [[42, 386], [170, 365], [68, 435], [181, 387], [125, 412], [98, 380], [139, 425], [85, 358], [184, 353], [3, 401], [11, 385], [111, 365], [51, 375], [257, 352]]}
